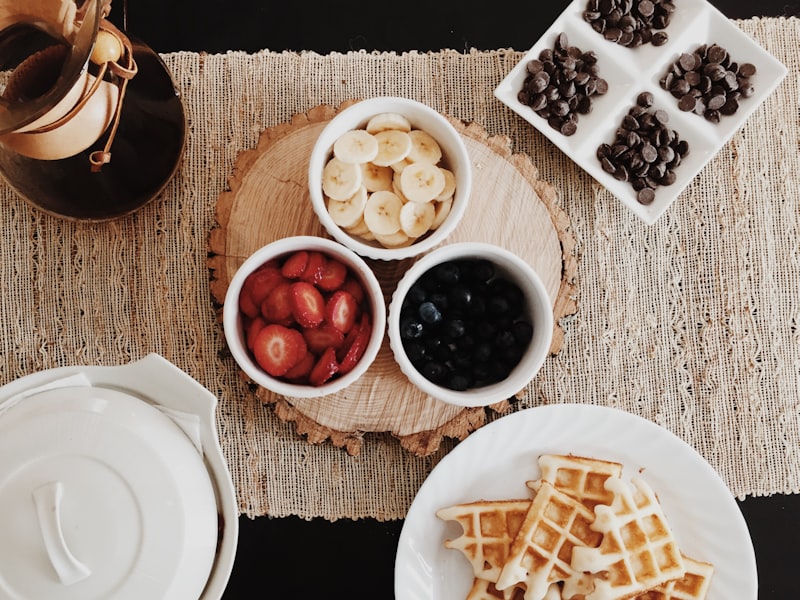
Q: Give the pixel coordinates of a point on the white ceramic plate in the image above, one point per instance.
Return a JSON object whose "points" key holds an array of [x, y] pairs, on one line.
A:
{"points": [[497, 460], [630, 71]]}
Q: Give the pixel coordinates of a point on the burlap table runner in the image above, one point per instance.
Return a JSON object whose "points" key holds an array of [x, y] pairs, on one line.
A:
{"points": [[692, 322]]}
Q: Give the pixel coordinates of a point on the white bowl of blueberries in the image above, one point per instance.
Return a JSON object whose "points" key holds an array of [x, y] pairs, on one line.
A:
{"points": [[470, 324]]}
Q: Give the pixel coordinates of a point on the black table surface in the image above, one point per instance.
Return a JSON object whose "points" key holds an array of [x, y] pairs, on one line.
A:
{"points": [[295, 558]]}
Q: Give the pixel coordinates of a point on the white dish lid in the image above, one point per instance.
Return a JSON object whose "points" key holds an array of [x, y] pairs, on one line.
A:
{"points": [[101, 495]]}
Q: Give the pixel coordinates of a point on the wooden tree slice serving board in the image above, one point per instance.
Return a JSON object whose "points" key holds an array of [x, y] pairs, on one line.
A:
{"points": [[509, 206]]}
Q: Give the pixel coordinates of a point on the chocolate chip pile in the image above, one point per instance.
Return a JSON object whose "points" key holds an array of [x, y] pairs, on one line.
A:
{"points": [[630, 23], [559, 85], [708, 82], [645, 151]]}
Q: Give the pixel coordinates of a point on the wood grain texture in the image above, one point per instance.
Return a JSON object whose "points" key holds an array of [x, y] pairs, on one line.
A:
{"points": [[509, 206]]}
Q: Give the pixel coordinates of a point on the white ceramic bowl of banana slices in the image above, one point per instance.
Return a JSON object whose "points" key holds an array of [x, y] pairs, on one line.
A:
{"points": [[389, 178]]}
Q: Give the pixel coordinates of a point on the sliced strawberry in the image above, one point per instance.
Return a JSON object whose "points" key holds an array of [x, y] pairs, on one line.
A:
{"points": [[295, 265], [277, 306], [299, 372], [247, 305], [353, 285], [273, 263], [308, 306], [278, 348], [264, 280], [315, 267], [252, 330], [323, 337], [356, 350], [325, 368], [342, 310], [333, 275], [348, 341]]}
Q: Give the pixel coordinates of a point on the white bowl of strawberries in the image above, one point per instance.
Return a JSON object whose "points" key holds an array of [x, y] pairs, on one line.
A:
{"points": [[389, 178], [304, 316]]}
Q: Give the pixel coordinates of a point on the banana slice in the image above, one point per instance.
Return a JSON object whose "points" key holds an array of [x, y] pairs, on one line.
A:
{"points": [[416, 218], [422, 181], [394, 240], [424, 148], [393, 146], [340, 180], [358, 229], [449, 185], [382, 213], [387, 121], [347, 213], [355, 146], [400, 165], [442, 209], [376, 178], [397, 189]]}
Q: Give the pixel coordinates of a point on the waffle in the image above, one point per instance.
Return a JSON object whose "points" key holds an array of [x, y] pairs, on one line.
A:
{"points": [[488, 527], [692, 586], [638, 551], [486, 590], [582, 478], [540, 554]]}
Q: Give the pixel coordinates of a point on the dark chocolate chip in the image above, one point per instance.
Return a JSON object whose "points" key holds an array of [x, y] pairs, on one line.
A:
{"points": [[687, 102], [708, 82], [747, 70], [645, 196], [560, 84], [645, 99], [630, 23], [645, 152]]}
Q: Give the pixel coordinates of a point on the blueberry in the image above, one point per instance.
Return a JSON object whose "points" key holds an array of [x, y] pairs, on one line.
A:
{"points": [[482, 353], [466, 341], [410, 329], [459, 381], [485, 330], [523, 332], [504, 339], [454, 328], [478, 305], [434, 371], [513, 355], [429, 313], [481, 270], [460, 297], [440, 299], [499, 305], [448, 272], [498, 370], [442, 352], [461, 360], [435, 345], [416, 351], [506, 298], [416, 294], [515, 298], [481, 373]]}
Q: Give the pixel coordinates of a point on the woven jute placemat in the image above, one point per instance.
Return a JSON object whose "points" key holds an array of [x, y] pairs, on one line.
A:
{"points": [[691, 322]]}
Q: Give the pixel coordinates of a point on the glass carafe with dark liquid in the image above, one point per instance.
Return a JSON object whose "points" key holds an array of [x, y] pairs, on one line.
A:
{"points": [[91, 124]]}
